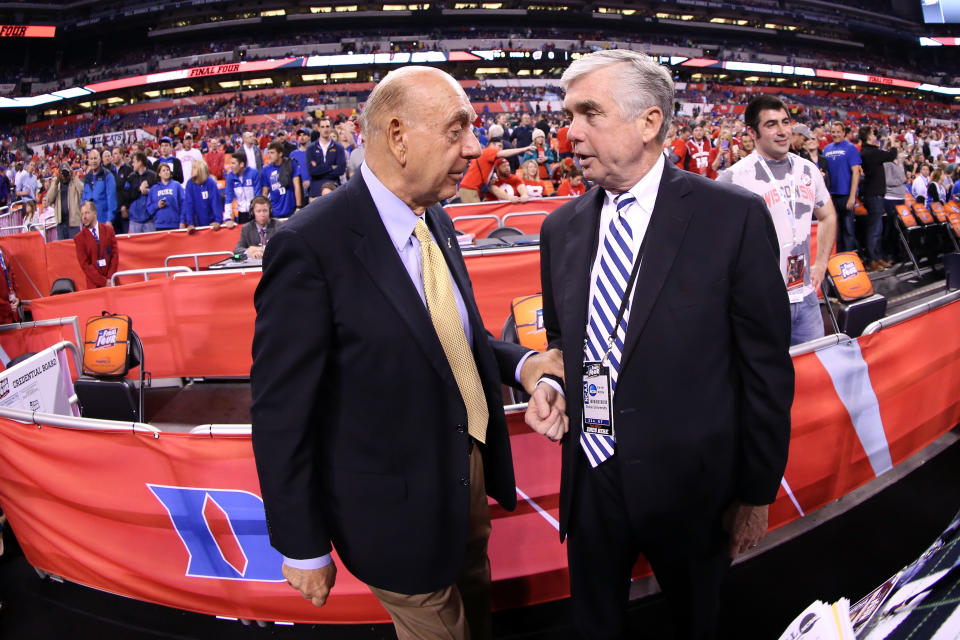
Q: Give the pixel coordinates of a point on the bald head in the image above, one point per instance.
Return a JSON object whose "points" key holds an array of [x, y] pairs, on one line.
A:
{"points": [[406, 93], [417, 135]]}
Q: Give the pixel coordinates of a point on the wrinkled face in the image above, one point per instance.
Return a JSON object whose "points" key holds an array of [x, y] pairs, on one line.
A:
{"points": [[93, 160], [439, 139], [166, 149], [88, 217], [236, 167], [107, 157], [773, 133], [609, 146], [261, 213]]}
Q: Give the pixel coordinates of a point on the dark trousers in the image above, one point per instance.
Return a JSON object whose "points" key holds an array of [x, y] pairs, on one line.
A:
{"points": [[847, 237], [874, 205], [890, 242], [603, 544]]}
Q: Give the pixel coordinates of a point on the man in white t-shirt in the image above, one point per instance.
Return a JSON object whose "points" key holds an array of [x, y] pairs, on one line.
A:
{"points": [[187, 156], [794, 191]]}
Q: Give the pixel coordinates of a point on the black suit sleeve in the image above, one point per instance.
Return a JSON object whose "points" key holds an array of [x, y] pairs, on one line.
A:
{"points": [[760, 320], [291, 347]]}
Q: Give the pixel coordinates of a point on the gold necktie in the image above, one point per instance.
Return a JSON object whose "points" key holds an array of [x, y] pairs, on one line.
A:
{"points": [[442, 307]]}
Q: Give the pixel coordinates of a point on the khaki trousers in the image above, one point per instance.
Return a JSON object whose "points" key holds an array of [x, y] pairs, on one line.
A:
{"points": [[460, 611]]}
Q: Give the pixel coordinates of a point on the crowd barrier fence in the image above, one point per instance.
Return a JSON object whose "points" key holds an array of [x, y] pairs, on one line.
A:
{"points": [[183, 524]]}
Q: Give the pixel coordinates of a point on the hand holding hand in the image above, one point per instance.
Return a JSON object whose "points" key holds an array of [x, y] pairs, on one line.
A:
{"points": [[547, 412], [229, 224], [746, 524], [313, 584]]}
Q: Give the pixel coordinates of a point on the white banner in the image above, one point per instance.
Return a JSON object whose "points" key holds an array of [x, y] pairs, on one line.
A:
{"points": [[101, 140], [39, 383]]}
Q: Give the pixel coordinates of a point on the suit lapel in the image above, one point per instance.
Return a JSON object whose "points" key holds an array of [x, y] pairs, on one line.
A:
{"points": [[445, 236], [580, 244], [668, 224], [379, 258]]}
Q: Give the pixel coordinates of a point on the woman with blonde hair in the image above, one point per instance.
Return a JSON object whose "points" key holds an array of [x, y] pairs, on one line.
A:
{"points": [[201, 203], [530, 174]]}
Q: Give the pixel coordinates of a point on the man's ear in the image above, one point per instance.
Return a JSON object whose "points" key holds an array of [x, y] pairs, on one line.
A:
{"points": [[651, 120], [397, 140]]}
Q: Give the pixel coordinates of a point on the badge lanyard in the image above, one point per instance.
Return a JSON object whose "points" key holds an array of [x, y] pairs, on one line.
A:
{"points": [[597, 383], [792, 203]]}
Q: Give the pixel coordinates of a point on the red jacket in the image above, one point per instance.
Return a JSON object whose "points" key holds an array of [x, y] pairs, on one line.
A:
{"points": [[90, 252]]}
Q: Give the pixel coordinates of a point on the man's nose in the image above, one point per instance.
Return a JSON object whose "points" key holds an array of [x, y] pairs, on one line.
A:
{"points": [[471, 146]]}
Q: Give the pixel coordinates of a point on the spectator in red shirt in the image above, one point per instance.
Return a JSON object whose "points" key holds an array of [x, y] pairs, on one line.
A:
{"points": [[572, 185], [697, 159], [680, 146], [564, 148], [215, 159], [722, 156], [505, 185], [481, 170]]}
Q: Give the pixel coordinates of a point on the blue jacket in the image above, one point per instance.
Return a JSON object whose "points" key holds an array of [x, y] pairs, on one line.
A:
{"points": [[242, 189], [283, 200], [323, 167], [138, 206], [168, 217], [102, 189], [202, 204]]}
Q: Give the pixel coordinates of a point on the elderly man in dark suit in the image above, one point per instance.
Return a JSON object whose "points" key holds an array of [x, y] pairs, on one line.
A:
{"points": [[378, 427], [663, 290]]}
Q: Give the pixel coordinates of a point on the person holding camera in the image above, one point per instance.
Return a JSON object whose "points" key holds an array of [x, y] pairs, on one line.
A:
{"points": [[65, 195]]}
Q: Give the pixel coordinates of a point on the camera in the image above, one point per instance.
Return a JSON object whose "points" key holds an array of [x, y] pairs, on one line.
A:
{"points": [[64, 175]]}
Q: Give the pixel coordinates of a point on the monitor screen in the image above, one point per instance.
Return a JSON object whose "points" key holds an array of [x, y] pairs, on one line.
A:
{"points": [[940, 11]]}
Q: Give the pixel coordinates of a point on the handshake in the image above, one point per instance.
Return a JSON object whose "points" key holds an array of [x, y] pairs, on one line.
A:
{"points": [[547, 409]]}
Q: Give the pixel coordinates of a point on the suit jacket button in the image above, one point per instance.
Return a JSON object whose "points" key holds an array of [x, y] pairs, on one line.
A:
{"points": [[460, 428], [465, 482]]}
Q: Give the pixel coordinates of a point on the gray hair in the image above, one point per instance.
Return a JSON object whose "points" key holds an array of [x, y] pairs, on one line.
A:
{"points": [[643, 83]]}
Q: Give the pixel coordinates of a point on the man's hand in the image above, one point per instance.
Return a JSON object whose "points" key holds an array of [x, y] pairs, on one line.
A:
{"points": [[547, 412], [255, 252], [229, 223], [313, 584], [538, 364], [817, 274], [746, 524], [144, 187], [851, 202], [214, 225], [190, 228]]}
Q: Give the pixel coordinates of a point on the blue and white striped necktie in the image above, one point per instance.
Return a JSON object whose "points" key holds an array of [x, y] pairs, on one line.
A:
{"points": [[616, 262]]}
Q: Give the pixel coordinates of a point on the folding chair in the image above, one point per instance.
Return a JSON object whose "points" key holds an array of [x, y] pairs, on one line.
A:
{"points": [[102, 392], [907, 227], [859, 304]]}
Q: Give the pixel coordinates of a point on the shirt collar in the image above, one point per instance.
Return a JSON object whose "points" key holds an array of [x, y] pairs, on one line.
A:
{"points": [[646, 190], [397, 217]]}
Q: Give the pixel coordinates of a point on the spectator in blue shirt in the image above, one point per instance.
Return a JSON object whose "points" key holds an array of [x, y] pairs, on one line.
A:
{"points": [[243, 183], [326, 158], [166, 200], [300, 156], [844, 165], [202, 206], [100, 186], [280, 180]]}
